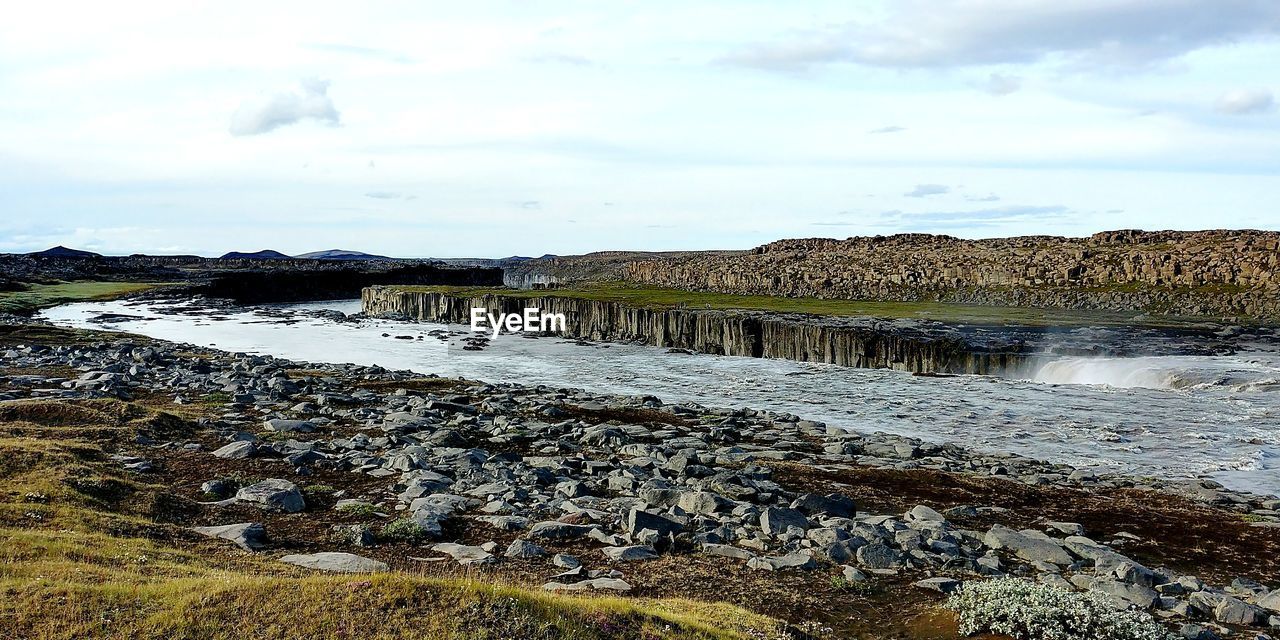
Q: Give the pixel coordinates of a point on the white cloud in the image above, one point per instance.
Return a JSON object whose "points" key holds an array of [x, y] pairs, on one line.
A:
{"points": [[1245, 101], [309, 100], [999, 84], [925, 190], [952, 33]]}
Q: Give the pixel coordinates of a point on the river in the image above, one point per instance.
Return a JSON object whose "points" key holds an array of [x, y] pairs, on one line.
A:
{"points": [[1169, 416]]}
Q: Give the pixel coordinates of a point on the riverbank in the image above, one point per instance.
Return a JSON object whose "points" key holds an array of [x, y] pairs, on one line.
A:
{"points": [[765, 510]]}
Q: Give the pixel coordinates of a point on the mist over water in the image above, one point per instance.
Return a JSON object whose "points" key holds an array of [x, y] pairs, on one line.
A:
{"points": [[1161, 372], [1167, 416]]}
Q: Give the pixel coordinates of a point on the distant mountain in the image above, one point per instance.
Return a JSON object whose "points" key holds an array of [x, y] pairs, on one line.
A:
{"points": [[265, 254], [63, 252], [341, 254]]}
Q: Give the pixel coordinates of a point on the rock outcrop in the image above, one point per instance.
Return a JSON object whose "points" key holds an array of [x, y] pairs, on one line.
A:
{"points": [[1212, 273], [851, 342]]}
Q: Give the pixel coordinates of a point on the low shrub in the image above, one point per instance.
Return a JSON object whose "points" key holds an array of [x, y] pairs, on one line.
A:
{"points": [[1029, 611], [404, 530]]}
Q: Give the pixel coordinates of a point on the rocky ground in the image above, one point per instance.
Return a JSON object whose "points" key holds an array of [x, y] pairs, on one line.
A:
{"points": [[352, 469]]}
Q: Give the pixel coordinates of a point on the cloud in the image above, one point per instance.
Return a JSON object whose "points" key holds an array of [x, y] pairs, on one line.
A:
{"points": [[999, 84], [990, 197], [384, 195], [973, 218], [1245, 101], [889, 129], [954, 33], [309, 100], [355, 50], [570, 59], [925, 190], [531, 204]]}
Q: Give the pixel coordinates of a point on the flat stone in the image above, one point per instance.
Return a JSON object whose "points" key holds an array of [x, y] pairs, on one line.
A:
{"points": [[941, 585], [287, 426], [465, 555], [602, 584], [249, 536], [778, 563], [553, 530], [629, 554], [238, 450], [727, 551], [1028, 547], [337, 562]]}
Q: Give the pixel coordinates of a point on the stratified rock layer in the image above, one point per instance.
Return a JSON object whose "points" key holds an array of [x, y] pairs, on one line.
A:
{"points": [[1217, 273], [851, 342]]}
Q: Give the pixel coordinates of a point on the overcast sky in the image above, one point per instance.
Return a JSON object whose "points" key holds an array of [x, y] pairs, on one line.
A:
{"points": [[500, 128]]}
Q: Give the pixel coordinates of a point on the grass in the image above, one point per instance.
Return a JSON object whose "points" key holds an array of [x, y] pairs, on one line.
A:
{"points": [[662, 298], [90, 551], [40, 296]]}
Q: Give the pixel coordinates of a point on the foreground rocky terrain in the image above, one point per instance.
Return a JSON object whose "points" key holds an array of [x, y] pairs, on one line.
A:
{"points": [[342, 468]]}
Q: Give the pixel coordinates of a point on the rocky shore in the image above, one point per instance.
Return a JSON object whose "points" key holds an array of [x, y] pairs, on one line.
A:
{"points": [[583, 491]]}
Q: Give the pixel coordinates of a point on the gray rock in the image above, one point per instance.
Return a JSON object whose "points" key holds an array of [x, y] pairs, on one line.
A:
{"points": [[524, 549], [638, 520], [920, 514], [238, 450], [553, 530], [603, 584], [789, 561], [629, 554], [566, 561], [1031, 548], [337, 562], [276, 494], [249, 536], [774, 520], [288, 426], [465, 555], [727, 551], [1234, 611], [941, 585], [880, 556]]}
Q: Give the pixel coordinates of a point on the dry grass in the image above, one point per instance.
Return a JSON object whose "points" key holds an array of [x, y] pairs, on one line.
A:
{"points": [[87, 551]]}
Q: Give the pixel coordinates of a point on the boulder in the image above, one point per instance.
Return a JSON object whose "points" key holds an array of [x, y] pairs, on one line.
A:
{"points": [[774, 520], [336, 561], [1029, 547], [277, 494]]}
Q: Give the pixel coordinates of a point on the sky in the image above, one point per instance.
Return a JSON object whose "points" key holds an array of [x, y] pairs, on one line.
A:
{"points": [[495, 128]]}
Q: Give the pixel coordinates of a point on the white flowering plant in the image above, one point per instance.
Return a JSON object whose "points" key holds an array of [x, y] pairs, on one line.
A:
{"points": [[1030, 611]]}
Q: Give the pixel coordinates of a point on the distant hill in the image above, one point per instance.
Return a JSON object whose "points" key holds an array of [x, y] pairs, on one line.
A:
{"points": [[341, 254], [63, 252], [265, 254]]}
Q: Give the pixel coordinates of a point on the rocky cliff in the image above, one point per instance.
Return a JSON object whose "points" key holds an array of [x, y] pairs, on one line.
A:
{"points": [[852, 342], [1217, 273]]}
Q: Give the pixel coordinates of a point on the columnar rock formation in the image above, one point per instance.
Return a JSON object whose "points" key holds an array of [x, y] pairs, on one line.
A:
{"points": [[1168, 272], [851, 342]]}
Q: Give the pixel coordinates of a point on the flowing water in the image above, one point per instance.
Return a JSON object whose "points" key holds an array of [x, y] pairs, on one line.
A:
{"points": [[1168, 416]]}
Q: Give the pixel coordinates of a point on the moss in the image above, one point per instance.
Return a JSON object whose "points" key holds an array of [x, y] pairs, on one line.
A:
{"points": [[40, 296], [663, 298]]}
